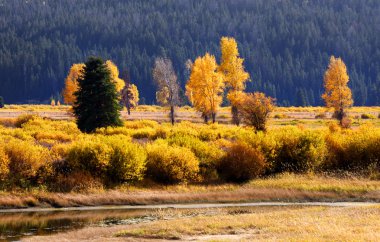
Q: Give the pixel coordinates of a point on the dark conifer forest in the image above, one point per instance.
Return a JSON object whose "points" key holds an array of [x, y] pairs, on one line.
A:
{"points": [[286, 43]]}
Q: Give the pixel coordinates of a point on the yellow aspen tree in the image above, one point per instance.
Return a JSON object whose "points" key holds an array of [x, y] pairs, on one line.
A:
{"points": [[234, 74], [337, 93], [119, 83], [205, 86], [71, 84]]}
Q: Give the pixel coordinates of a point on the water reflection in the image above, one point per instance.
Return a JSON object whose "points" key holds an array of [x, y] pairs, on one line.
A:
{"points": [[14, 226]]}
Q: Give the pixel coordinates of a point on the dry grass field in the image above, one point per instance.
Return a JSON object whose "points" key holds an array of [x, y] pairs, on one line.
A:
{"points": [[241, 224], [310, 117], [284, 187]]}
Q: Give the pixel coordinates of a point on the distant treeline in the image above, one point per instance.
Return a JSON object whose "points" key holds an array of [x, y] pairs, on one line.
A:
{"points": [[286, 44]]}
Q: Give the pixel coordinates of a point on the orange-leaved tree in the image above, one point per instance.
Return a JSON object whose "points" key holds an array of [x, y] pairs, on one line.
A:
{"points": [[235, 76], [205, 86], [71, 85], [337, 93]]}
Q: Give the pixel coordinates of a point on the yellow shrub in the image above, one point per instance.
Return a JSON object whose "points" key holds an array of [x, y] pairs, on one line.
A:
{"points": [[141, 124], [7, 122], [127, 161], [297, 150], [4, 164], [242, 163], [171, 164], [114, 131], [207, 154], [22, 119], [111, 158], [89, 155], [25, 158], [353, 150]]}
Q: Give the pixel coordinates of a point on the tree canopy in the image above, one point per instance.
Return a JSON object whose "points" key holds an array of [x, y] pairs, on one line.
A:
{"points": [[337, 93], [205, 86], [97, 101]]}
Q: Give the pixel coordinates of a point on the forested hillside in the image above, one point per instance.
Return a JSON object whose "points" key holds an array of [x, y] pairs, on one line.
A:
{"points": [[286, 43]]}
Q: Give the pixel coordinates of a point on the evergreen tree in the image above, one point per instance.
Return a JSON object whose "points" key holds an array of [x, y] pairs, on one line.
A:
{"points": [[97, 100], [1, 102]]}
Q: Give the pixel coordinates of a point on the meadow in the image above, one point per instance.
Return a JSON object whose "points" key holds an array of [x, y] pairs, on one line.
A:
{"points": [[54, 156]]}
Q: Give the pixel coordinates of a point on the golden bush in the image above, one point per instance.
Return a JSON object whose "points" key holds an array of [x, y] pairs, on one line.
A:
{"points": [[127, 161], [26, 159], [207, 154], [22, 119], [353, 150], [4, 164], [171, 164], [89, 155], [242, 163]]}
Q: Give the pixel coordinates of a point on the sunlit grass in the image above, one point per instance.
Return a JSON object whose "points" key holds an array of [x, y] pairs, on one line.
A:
{"points": [[285, 224], [318, 182]]}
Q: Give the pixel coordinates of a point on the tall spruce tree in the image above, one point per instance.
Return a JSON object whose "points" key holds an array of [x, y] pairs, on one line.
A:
{"points": [[97, 100]]}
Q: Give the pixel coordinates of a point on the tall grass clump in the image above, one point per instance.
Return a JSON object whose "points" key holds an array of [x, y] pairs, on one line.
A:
{"points": [[171, 164]]}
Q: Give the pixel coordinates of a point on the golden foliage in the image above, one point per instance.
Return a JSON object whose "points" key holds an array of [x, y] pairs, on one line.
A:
{"points": [[135, 94], [337, 93], [255, 109], [26, 158], [171, 164], [4, 164], [130, 95], [71, 84], [76, 71], [205, 87], [242, 163], [119, 83], [233, 69]]}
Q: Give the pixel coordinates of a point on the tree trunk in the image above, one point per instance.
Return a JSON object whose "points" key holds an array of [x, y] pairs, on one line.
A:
{"points": [[341, 114], [213, 115], [128, 107], [172, 114], [205, 117], [235, 115]]}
